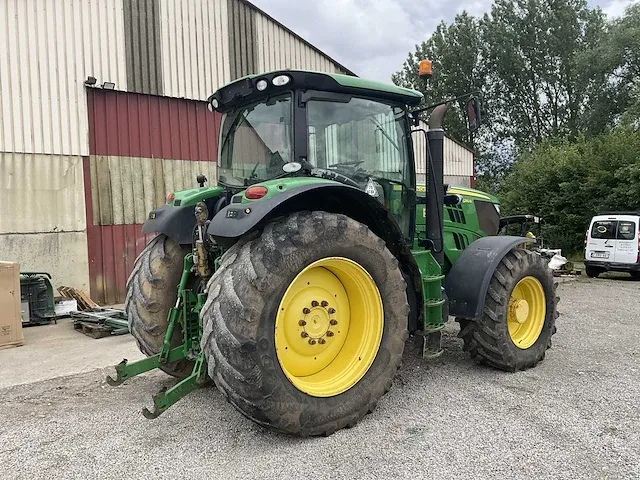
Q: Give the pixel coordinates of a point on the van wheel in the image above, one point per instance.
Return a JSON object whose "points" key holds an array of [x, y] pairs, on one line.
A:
{"points": [[592, 272]]}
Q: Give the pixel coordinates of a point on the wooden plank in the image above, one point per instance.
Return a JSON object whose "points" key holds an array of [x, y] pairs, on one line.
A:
{"points": [[84, 301]]}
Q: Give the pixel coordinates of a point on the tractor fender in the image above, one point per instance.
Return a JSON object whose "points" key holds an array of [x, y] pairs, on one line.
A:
{"points": [[178, 223], [238, 219], [175, 222], [468, 280]]}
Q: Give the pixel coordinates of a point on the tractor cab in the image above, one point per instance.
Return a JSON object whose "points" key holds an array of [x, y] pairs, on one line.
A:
{"points": [[328, 126]]}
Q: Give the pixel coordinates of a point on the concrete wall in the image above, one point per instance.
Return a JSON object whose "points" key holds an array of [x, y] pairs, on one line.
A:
{"points": [[62, 254]]}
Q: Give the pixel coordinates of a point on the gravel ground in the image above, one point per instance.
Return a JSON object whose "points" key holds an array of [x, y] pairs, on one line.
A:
{"points": [[574, 416]]}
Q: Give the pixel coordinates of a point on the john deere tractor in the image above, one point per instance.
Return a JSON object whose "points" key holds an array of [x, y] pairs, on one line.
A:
{"points": [[294, 282]]}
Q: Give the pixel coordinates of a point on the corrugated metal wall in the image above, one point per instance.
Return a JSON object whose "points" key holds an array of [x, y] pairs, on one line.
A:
{"points": [[279, 48], [195, 47], [43, 193], [458, 160], [141, 148], [180, 48], [42, 220], [242, 39], [142, 45], [48, 49]]}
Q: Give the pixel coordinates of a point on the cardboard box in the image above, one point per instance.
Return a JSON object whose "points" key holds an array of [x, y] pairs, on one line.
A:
{"points": [[10, 315]]}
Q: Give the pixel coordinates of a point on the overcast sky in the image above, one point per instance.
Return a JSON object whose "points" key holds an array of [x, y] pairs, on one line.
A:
{"points": [[373, 37]]}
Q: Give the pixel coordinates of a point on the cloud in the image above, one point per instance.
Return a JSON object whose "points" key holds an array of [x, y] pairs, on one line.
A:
{"points": [[616, 8], [373, 37]]}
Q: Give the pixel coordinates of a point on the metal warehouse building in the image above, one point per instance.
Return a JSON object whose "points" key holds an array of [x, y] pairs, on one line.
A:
{"points": [[81, 165]]}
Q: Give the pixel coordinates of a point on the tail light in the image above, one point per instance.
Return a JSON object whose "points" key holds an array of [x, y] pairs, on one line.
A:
{"points": [[586, 236], [639, 244], [255, 192]]}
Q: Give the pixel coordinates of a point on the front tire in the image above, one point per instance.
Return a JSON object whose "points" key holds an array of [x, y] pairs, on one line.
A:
{"points": [[519, 314], [261, 355], [152, 288]]}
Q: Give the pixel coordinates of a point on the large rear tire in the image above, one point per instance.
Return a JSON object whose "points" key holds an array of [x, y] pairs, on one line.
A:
{"points": [[519, 315], [314, 288], [152, 289]]}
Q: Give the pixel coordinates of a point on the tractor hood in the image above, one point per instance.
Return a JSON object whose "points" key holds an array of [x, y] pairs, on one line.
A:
{"points": [[464, 191]]}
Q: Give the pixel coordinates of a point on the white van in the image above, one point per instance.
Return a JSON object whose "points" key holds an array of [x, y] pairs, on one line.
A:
{"points": [[612, 243]]}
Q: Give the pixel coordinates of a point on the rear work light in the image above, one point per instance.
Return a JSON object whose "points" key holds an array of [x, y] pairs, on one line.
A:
{"points": [[170, 197], [255, 192]]}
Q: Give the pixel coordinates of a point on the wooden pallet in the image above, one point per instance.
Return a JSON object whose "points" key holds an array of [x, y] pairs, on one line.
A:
{"points": [[101, 322], [84, 301], [93, 330]]}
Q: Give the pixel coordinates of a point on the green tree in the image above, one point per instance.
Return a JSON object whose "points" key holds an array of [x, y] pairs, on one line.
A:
{"points": [[455, 51], [614, 69], [567, 182], [534, 50]]}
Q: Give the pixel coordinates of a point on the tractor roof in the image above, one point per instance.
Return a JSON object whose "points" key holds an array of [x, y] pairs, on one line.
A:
{"points": [[244, 89]]}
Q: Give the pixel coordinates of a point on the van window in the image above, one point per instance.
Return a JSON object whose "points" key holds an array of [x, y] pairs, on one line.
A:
{"points": [[626, 230], [604, 229]]}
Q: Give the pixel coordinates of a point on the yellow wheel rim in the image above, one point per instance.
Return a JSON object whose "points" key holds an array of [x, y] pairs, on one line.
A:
{"points": [[329, 327], [527, 311]]}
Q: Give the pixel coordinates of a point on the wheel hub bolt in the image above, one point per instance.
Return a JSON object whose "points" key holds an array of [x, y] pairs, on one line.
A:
{"points": [[333, 321], [324, 303], [306, 311], [329, 333], [304, 334], [314, 303], [332, 310], [302, 323], [322, 341], [312, 341]]}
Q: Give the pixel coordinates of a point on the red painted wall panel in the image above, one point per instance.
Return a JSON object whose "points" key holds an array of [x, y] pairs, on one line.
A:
{"points": [[112, 252], [137, 125]]}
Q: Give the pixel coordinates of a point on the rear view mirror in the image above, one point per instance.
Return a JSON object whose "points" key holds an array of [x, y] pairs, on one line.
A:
{"points": [[473, 113]]}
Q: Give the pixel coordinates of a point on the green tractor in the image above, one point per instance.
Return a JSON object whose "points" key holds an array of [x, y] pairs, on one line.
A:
{"points": [[294, 283]]}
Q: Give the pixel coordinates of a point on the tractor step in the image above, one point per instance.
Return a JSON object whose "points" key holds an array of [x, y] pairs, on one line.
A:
{"points": [[432, 342]]}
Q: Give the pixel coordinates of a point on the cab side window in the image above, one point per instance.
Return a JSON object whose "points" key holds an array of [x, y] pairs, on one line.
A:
{"points": [[626, 230]]}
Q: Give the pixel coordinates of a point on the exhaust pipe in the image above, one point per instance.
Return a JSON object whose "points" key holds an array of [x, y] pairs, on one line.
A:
{"points": [[435, 183]]}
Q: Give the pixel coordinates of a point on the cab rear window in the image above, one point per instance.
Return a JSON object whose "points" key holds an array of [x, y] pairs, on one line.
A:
{"points": [[604, 230], [613, 229], [626, 230]]}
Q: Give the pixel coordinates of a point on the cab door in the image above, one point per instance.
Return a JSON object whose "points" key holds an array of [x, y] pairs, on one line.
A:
{"points": [[626, 249], [601, 241]]}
